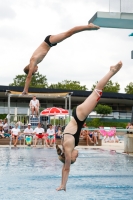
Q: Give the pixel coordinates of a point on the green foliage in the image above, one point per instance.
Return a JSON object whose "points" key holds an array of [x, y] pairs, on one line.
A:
{"points": [[103, 109], [97, 122], [110, 87], [71, 85], [129, 88], [37, 81], [3, 116], [41, 109]]}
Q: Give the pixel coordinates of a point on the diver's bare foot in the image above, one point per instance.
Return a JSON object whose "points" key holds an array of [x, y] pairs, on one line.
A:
{"points": [[93, 27], [116, 67], [61, 188]]}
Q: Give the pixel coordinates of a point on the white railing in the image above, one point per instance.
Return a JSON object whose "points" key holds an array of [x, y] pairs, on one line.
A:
{"points": [[25, 111], [14, 111]]}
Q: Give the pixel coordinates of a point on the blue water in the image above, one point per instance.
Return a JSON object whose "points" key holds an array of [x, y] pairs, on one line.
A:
{"points": [[34, 174]]}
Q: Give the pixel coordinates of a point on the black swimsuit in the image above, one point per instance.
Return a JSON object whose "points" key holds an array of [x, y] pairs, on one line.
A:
{"points": [[79, 127], [48, 42]]}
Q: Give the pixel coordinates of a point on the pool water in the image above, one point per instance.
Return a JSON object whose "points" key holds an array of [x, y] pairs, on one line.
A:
{"points": [[34, 174]]}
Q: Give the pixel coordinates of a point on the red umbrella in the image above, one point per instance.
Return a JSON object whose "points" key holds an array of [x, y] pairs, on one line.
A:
{"points": [[54, 111]]}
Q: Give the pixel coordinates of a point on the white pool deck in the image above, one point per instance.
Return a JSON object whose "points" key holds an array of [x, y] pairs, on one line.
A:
{"points": [[117, 147]]}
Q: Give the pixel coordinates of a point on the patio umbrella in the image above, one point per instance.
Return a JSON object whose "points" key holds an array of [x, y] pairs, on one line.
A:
{"points": [[54, 111]]}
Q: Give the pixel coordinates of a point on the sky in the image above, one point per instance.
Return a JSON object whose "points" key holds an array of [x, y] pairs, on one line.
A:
{"points": [[84, 57]]}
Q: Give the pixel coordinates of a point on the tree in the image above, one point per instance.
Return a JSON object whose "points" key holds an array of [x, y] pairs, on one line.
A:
{"points": [[129, 88], [103, 109], [71, 85], [110, 87], [38, 81]]}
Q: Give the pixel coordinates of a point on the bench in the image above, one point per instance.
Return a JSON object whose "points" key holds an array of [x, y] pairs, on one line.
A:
{"points": [[6, 141], [82, 142]]}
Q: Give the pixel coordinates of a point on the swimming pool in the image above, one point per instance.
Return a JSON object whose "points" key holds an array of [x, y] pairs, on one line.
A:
{"points": [[34, 174]]}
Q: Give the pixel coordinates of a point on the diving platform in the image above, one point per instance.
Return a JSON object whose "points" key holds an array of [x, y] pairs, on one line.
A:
{"points": [[119, 20]]}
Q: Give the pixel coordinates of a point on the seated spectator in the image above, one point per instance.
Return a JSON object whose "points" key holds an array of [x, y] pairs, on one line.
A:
{"points": [[106, 138], [114, 138], [29, 133], [91, 134], [58, 132], [39, 134], [34, 106], [1, 122], [131, 128], [15, 133], [51, 133], [20, 124], [5, 126], [127, 127], [1, 131], [85, 135], [95, 137]]}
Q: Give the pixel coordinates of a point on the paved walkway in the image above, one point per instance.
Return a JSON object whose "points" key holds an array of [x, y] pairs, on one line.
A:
{"points": [[118, 147]]}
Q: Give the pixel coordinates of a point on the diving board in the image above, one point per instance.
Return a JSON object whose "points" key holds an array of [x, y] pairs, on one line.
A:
{"points": [[39, 95], [113, 20]]}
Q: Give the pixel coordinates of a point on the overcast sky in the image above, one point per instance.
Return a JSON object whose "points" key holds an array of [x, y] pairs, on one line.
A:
{"points": [[84, 57]]}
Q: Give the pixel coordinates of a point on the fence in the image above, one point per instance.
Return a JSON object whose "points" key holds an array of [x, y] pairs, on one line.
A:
{"points": [[24, 111]]}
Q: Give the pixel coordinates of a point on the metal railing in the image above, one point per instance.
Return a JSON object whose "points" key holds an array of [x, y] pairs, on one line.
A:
{"points": [[26, 112]]}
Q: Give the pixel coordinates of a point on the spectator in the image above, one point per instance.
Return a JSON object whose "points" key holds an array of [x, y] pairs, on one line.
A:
{"points": [[40, 134], [15, 133], [127, 127], [20, 124], [85, 135], [1, 131], [1, 122], [131, 128], [59, 132], [34, 106], [91, 134], [51, 133], [5, 126], [114, 138], [106, 138], [95, 137], [28, 132]]}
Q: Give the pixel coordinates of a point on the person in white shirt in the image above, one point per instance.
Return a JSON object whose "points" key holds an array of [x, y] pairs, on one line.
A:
{"points": [[5, 126], [95, 137], [15, 133], [40, 134], [106, 138], [28, 132], [114, 138], [51, 133], [34, 106]]}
